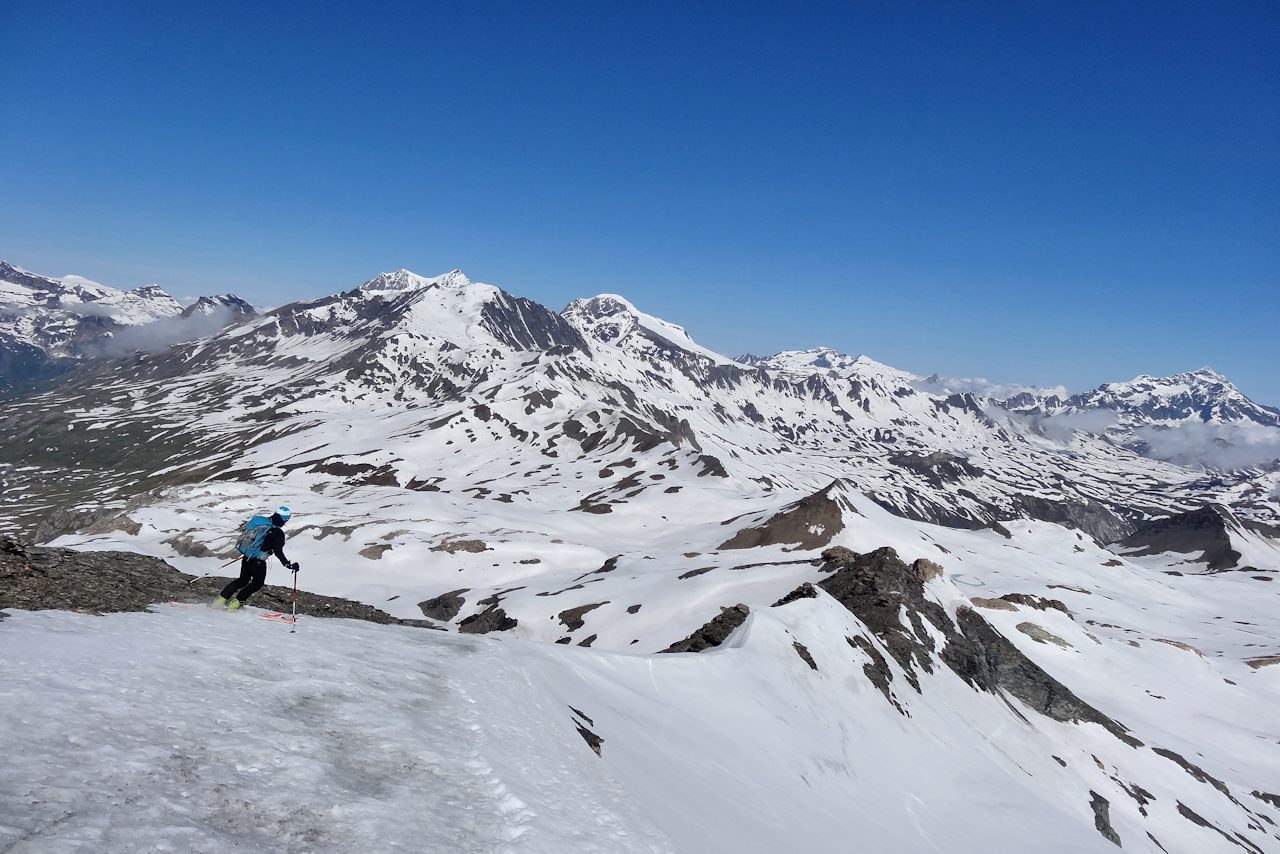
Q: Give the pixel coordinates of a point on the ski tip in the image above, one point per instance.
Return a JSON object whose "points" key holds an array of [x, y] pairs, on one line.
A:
{"points": [[279, 618]]}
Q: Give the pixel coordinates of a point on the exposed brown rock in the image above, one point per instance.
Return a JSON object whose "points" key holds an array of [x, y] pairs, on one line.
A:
{"points": [[572, 617], [809, 523], [1180, 645], [455, 546], [926, 570]]}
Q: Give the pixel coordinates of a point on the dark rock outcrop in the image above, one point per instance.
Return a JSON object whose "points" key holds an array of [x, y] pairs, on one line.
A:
{"points": [[1037, 602], [878, 587], [1206, 529], [804, 591], [37, 578], [445, 606], [938, 468], [805, 655], [877, 670], [492, 619], [572, 617], [713, 632]]}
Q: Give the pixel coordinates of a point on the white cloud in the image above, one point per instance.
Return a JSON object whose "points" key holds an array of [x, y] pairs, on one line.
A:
{"points": [[1218, 446], [1059, 428], [983, 387], [163, 333]]}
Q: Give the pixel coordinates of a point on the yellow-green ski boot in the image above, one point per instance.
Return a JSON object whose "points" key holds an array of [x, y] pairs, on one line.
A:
{"points": [[234, 604], [220, 602]]}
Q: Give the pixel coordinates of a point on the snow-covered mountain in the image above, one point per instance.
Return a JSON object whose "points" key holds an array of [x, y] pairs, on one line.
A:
{"points": [[48, 325], [902, 590], [1204, 396], [1197, 418], [222, 303]]}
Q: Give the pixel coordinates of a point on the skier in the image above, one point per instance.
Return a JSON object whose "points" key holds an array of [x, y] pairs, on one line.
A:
{"points": [[256, 546]]}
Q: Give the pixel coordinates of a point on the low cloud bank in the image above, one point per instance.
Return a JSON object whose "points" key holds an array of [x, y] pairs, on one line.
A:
{"points": [[90, 309], [1062, 427], [982, 387], [1217, 446], [164, 333], [1222, 447], [1059, 428]]}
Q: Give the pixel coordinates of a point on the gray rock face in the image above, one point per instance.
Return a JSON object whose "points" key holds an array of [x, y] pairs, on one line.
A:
{"points": [[994, 662], [35, 578], [1102, 817], [1206, 529], [1095, 519], [1041, 635], [877, 587], [938, 467], [714, 632]]}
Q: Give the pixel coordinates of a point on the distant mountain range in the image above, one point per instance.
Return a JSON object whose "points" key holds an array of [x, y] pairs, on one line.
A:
{"points": [[494, 376], [49, 325]]}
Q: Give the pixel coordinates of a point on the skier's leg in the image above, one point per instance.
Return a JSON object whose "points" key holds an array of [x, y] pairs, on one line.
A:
{"points": [[257, 578], [236, 583]]}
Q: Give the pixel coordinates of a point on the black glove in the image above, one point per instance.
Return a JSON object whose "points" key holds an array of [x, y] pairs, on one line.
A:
{"points": [[295, 566]]}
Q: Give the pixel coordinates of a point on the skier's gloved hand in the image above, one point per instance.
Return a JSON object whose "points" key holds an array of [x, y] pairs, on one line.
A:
{"points": [[295, 566]]}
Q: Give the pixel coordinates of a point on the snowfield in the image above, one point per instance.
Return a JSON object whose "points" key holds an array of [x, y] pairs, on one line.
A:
{"points": [[204, 731]]}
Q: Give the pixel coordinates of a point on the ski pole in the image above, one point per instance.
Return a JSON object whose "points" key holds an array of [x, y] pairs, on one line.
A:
{"points": [[293, 627], [207, 574]]}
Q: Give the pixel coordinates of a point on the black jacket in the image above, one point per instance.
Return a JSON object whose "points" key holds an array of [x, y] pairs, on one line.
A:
{"points": [[273, 544]]}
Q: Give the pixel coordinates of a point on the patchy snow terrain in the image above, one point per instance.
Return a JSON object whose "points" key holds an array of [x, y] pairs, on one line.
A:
{"points": [[1069, 642]]}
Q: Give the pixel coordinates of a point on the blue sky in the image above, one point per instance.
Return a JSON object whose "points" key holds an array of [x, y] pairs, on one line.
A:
{"points": [[1032, 192]]}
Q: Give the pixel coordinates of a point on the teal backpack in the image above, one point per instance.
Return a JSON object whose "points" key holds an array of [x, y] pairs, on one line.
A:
{"points": [[250, 542]]}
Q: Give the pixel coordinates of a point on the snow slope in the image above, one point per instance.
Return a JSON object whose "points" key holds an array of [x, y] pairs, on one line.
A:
{"points": [[236, 733]]}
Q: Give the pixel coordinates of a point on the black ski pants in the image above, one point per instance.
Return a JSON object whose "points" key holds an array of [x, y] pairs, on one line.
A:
{"points": [[253, 574]]}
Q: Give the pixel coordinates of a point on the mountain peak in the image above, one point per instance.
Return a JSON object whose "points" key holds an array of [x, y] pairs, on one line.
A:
{"points": [[407, 280], [613, 319]]}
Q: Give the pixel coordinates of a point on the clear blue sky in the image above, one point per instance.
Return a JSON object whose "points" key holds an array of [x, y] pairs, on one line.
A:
{"points": [[1067, 192]]}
